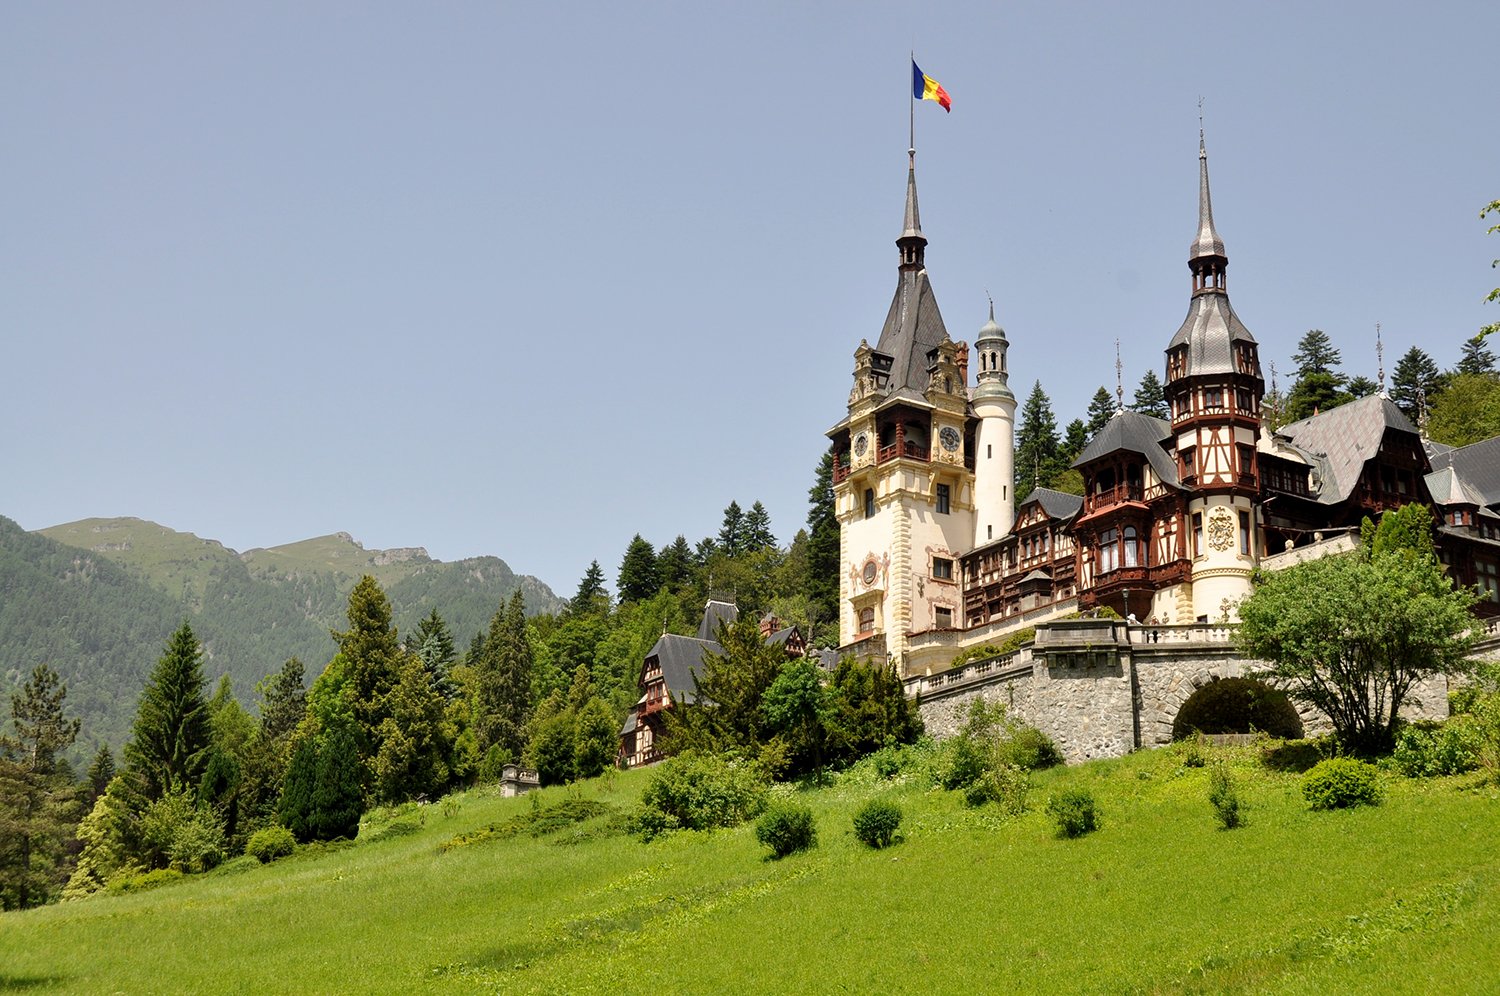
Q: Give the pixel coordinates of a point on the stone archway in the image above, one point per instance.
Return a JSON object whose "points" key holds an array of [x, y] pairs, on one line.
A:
{"points": [[1237, 705]]}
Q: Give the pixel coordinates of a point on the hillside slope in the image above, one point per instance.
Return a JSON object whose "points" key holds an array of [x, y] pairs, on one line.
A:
{"points": [[97, 598]]}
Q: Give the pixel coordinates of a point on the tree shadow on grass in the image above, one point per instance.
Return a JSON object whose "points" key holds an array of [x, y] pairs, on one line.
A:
{"points": [[20, 983]]}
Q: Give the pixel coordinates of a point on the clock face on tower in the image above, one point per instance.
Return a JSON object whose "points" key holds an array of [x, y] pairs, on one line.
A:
{"points": [[949, 437], [861, 443]]}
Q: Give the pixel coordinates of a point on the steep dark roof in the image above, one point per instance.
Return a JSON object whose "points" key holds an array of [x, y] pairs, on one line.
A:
{"points": [[779, 638], [1209, 331], [1057, 504], [680, 657], [1448, 488], [1347, 437], [1134, 433], [1478, 464], [714, 613], [913, 328]]}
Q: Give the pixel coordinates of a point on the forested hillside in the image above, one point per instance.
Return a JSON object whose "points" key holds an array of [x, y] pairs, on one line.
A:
{"points": [[100, 609]]}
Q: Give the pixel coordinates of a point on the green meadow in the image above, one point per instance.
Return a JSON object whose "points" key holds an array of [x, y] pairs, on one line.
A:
{"points": [[1399, 898]]}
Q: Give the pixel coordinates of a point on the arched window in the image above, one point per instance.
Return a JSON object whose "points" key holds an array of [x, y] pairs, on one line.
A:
{"points": [[866, 621], [1132, 547]]}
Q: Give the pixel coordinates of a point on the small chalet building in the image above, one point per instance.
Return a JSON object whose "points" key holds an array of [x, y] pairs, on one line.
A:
{"points": [[667, 676]]}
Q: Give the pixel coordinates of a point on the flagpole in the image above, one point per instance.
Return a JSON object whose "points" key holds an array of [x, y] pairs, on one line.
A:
{"points": [[911, 108]]}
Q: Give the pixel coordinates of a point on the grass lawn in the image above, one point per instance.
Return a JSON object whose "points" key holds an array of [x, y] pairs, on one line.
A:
{"points": [[1403, 897]]}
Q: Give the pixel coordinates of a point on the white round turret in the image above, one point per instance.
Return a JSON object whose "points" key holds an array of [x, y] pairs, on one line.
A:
{"points": [[994, 457]]}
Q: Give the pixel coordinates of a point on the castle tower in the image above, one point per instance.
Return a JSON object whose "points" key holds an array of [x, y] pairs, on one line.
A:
{"points": [[903, 472], [1214, 387], [994, 453]]}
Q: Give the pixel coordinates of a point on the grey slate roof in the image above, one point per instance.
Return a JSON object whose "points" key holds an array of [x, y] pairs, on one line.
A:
{"points": [[1134, 433], [1347, 437], [714, 613], [779, 638], [1209, 331], [1208, 242], [913, 328], [1447, 488], [680, 657], [1478, 464], [1057, 504]]}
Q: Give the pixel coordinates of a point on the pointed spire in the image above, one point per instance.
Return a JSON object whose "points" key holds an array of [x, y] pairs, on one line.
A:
{"points": [[912, 242], [1208, 242]]}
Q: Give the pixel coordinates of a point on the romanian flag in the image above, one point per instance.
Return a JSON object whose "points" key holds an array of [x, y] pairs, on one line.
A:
{"points": [[924, 87]]}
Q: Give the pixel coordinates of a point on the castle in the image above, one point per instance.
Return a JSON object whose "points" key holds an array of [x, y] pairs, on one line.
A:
{"points": [[937, 555]]}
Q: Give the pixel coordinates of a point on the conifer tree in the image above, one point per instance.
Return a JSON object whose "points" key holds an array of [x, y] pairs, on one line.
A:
{"points": [[638, 579], [674, 565], [372, 658], [101, 772], [169, 742], [433, 644], [503, 680], [296, 806], [591, 596], [1319, 386], [1075, 438], [732, 538], [1150, 397], [283, 700], [1476, 358], [1415, 384], [1315, 354], [38, 803], [758, 535], [416, 742], [337, 799], [1101, 410], [823, 543], [1362, 387], [1036, 444]]}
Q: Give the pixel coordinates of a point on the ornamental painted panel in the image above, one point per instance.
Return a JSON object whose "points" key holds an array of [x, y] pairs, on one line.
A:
{"points": [[1220, 529]]}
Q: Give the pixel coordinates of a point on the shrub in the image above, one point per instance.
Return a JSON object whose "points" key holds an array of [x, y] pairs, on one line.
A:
{"points": [[786, 828], [1029, 749], [699, 792], [1223, 797], [1237, 705], [960, 763], [271, 843], [1074, 812], [1193, 751], [1426, 750], [1296, 755], [876, 823], [886, 762], [140, 882], [1340, 782], [1006, 785]]}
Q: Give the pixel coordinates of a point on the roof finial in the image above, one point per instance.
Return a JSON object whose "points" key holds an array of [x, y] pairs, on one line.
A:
{"points": [[1201, 151], [1208, 242], [992, 305], [1380, 360], [1119, 380]]}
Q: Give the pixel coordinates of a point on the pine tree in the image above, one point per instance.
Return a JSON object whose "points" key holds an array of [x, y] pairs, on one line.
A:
{"points": [[823, 544], [1036, 444], [38, 803], [1318, 386], [433, 644], [1415, 384], [758, 535], [1075, 438], [1101, 410], [503, 680], [591, 596], [1150, 397], [283, 700], [101, 773], [638, 579], [1362, 387], [732, 533], [674, 565], [1315, 354], [169, 741], [1476, 358], [372, 658]]}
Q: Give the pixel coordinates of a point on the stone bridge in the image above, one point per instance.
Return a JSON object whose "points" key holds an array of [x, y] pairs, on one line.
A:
{"points": [[1102, 687]]}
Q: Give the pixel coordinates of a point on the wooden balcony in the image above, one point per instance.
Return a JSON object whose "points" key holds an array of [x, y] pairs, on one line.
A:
{"points": [[910, 451], [1116, 495]]}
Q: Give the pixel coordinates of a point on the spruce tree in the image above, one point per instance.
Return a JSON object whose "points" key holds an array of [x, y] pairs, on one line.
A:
{"points": [[503, 680], [1101, 410], [101, 772], [732, 538], [638, 579], [337, 799], [433, 644], [169, 741], [1315, 354], [758, 535], [372, 658], [1319, 386], [823, 544], [1150, 397], [1036, 444], [296, 807], [1476, 358], [591, 596], [416, 741], [1075, 438], [1415, 384], [674, 565], [283, 700], [38, 802], [1362, 387]]}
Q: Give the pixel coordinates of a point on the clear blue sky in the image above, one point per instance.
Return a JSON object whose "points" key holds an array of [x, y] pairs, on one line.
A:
{"points": [[526, 279]]}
